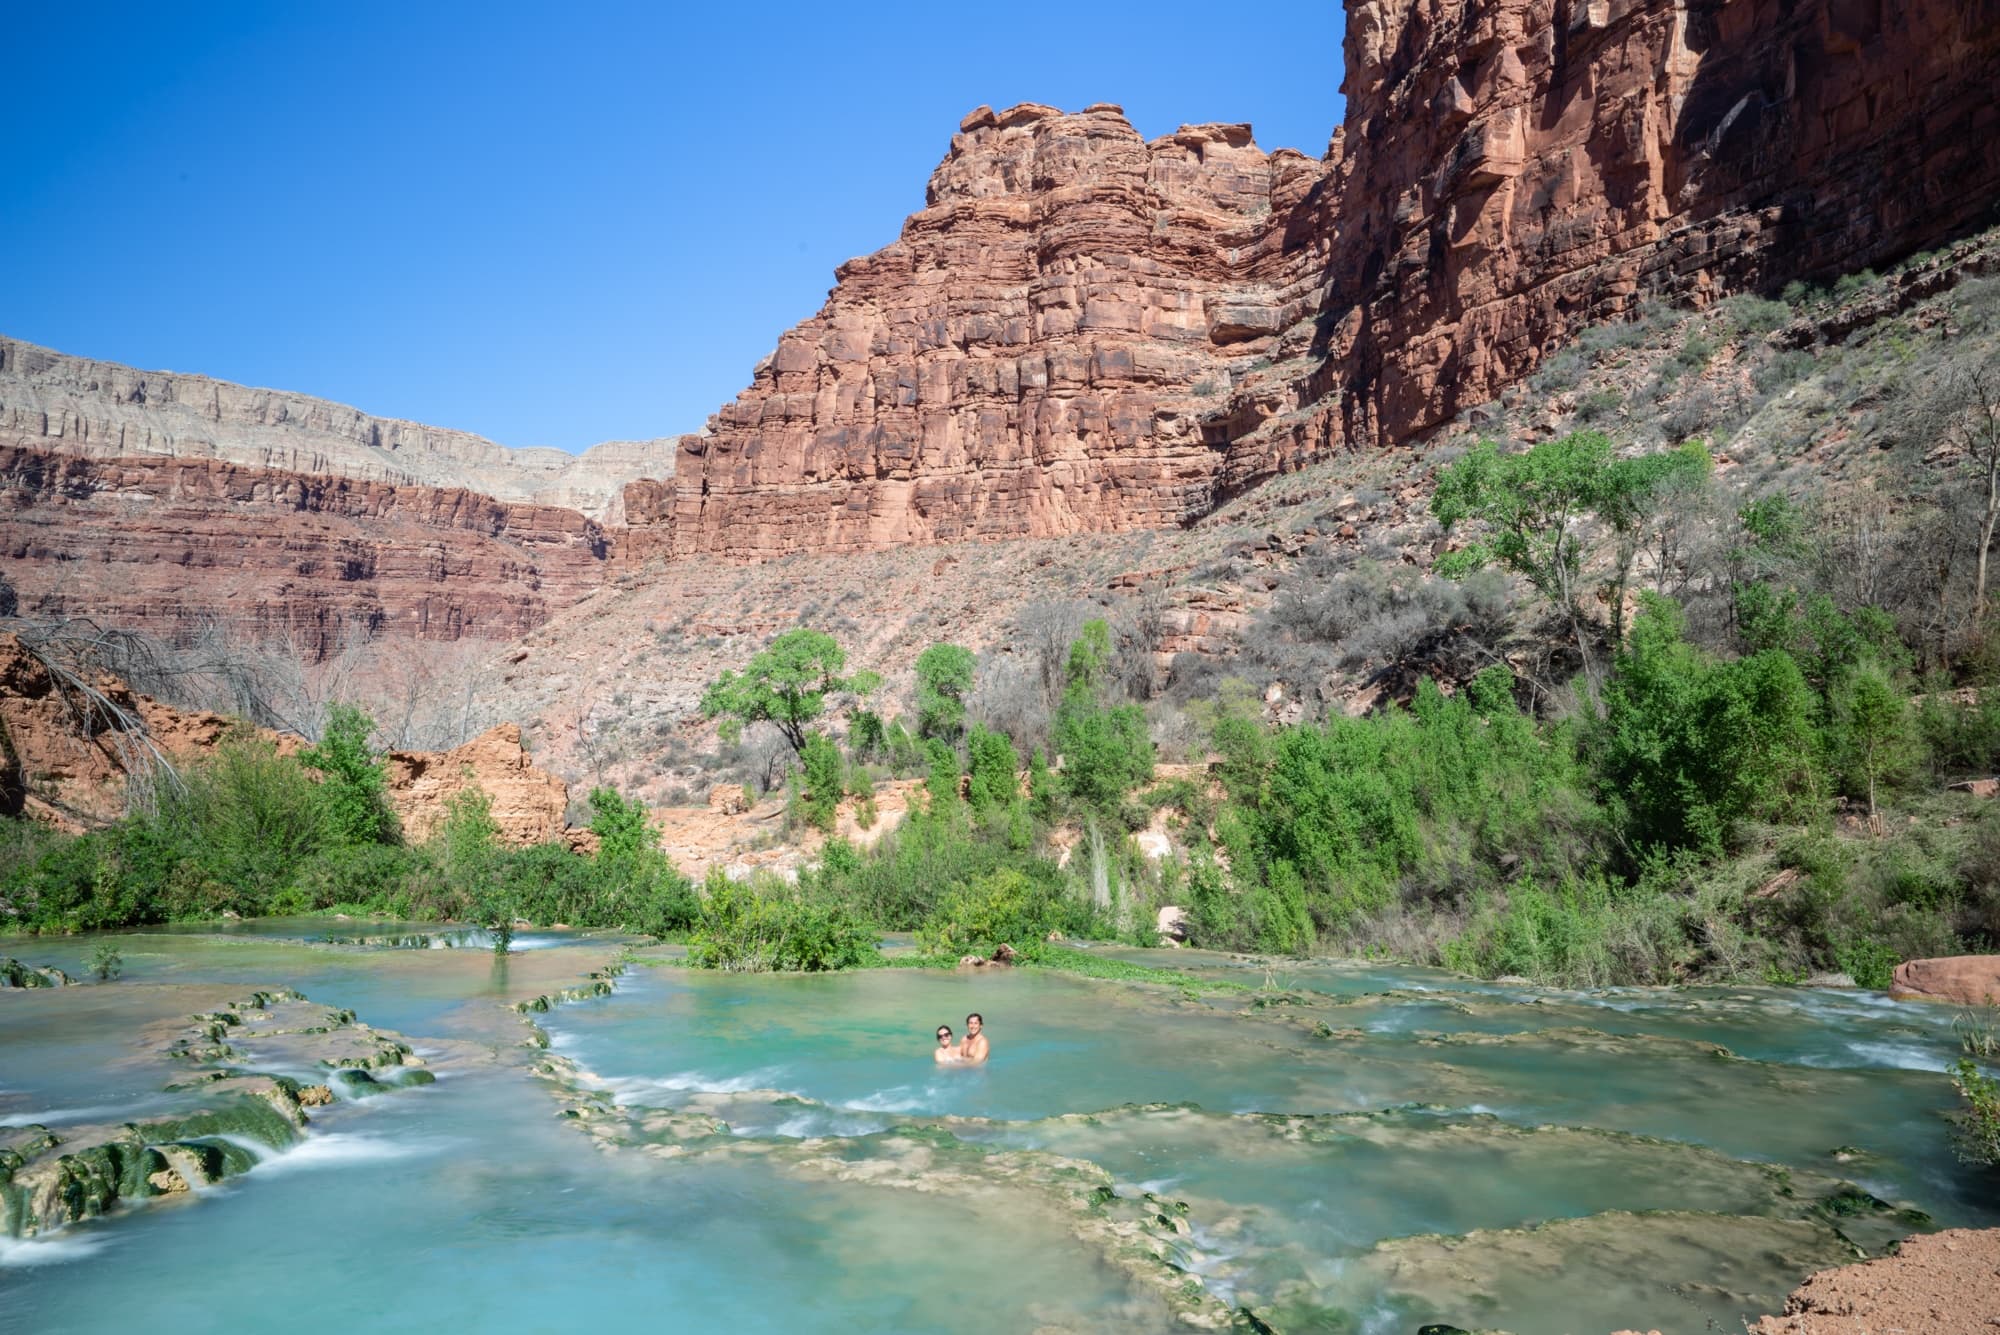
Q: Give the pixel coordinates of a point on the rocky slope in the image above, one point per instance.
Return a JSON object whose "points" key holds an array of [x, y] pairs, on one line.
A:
{"points": [[70, 744]]}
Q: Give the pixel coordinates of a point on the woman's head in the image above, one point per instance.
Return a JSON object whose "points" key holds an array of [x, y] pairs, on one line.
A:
{"points": [[944, 1033]]}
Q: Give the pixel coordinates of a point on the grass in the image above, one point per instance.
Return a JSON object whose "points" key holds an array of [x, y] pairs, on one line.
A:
{"points": [[1061, 959]]}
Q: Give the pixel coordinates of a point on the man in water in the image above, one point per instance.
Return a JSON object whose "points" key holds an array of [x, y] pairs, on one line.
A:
{"points": [[974, 1049], [947, 1051]]}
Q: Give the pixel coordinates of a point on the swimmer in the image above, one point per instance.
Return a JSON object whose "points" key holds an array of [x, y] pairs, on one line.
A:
{"points": [[975, 1049], [947, 1053]]}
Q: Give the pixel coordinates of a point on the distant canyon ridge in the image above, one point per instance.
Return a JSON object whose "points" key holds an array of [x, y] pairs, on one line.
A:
{"points": [[1082, 331]]}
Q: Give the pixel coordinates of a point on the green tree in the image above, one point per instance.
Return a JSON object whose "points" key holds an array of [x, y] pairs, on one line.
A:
{"points": [[1537, 507], [824, 782], [1104, 748], [1877, 739], [786, 685], [944, 679], [354, 788], [1690, 744], [994, 769], [468, 854]]}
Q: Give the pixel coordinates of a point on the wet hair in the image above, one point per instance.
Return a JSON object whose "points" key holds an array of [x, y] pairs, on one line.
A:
{"points": [[975, 1016], [943, 1029]]}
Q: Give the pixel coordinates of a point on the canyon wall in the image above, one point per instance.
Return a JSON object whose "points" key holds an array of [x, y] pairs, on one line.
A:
{"points": [[163, 543], [1083, 331], [102, 410]]}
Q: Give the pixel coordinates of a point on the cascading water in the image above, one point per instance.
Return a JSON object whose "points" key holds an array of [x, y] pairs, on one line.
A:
{"points": [[1348, 1148]]}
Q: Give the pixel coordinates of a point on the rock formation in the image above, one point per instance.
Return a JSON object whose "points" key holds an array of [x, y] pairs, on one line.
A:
{"points": [[1086, 332], [65, 759], [529, 806], [101, 410], [1963, 980], [165, 544], [1082, 330], [1036, 354]]}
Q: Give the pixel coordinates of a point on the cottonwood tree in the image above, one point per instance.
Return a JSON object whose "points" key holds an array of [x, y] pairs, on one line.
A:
{"points": [[1547, 510], [787, 686], [944, 680]]}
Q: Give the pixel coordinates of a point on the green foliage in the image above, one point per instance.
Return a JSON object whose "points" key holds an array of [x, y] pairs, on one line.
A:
{"points": [[1004, 907], [357, 812], [825, 782], [105, 962], [768, 928], [1875, 737], [786, 685], [993, 770], [1690, 744], [1062, 959], [1977, 1133], [941, 781], [944, 679], [1868, 963], [628, 883]]}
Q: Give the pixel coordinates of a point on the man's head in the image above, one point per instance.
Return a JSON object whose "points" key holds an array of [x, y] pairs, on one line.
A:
{"points": [[944, 1033], [974, 1023]]}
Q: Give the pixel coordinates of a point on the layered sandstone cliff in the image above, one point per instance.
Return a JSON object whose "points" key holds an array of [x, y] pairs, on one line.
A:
{"points": [[1038, 353], [101, 410], [165, 544], [1085, 332]]}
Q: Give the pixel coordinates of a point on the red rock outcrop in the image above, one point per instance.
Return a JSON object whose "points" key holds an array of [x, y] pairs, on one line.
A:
{"points": [[66, 762], [161, 543], [1086, 332], [529, 805], [1036, 354], [64, 758], [1965, 980]]}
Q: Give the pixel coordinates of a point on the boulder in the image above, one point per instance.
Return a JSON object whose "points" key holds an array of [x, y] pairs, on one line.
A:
{"points": [[1965, 980], [1172, 925]]}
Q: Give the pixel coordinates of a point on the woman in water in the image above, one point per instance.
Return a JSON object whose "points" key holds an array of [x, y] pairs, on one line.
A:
{"points": [[947, 1053]]}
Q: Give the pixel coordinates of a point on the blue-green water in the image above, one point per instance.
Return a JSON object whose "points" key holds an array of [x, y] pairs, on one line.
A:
{"points": [[1528, 1130]]}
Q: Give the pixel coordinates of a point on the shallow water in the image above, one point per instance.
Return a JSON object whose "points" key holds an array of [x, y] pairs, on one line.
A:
{"points": [[1393, 1147]]}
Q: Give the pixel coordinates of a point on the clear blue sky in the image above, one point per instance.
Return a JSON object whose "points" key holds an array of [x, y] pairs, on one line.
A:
{"points": [[546, 226]]}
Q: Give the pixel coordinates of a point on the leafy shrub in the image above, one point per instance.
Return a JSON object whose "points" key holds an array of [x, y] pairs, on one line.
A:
{"points": [[765, 927], [824, 782], [1977, 1132], [1004, 907], [993, 770]]}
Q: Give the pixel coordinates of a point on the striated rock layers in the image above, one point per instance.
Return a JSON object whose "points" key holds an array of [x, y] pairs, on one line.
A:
{"points": [[101, 410], [1037, 354], [1083, 331], [164, 544]]}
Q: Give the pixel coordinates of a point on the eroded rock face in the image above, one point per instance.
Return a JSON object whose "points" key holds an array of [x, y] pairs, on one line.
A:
{"points": [[1036, 354], [1084, 332], [66, 763], [101, 410], [529, 805], [167, 543], [1965, 980]]}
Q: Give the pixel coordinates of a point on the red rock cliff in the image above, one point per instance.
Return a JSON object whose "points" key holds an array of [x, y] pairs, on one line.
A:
{"points": [[1083, 331]]}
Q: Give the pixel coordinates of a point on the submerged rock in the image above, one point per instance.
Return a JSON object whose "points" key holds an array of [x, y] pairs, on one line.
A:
{"points": [[13, 973]]}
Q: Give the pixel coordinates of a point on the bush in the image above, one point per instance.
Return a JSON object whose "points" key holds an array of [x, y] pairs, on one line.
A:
{"points": [[824, 782], [768, 928], [993, 771], [1976, 1136], [1004, 907]]}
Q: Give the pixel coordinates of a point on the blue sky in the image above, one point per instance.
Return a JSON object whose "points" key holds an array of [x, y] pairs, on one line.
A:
{"points": [[549, 227]]}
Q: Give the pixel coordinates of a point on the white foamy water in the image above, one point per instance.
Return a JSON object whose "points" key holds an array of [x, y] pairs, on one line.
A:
{"points": [[55, 1116], [342, 1149], [62, 1247], [634, 1088]]}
